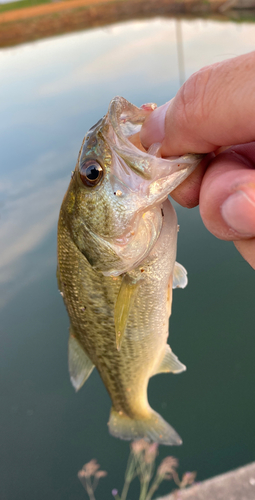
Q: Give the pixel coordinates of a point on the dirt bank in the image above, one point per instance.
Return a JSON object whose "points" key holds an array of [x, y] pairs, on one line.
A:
{"points": [[28, 24]]}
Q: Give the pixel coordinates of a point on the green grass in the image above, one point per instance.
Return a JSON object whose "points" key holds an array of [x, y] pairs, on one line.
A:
{"points": [[23, 3]]}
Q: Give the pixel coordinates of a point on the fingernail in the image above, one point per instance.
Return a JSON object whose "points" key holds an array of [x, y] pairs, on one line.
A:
{"points": [[153, 129], [238, 211]]}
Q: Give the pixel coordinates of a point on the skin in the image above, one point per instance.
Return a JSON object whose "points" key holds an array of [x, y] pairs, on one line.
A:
{"points": [[214, 113]]}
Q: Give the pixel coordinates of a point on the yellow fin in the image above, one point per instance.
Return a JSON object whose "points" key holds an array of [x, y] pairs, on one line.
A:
{"points": [[153, 428], [124, 302], [170, 363], [79, 364], [180, 279]]}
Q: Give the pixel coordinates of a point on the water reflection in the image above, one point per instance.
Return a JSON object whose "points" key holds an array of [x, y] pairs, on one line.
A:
{"points": [[28, 214], [180, 54], [51, 92]]}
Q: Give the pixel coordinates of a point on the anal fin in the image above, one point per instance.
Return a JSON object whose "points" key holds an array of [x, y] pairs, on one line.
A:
{"points": [[170, 363], [180, 279], [79, 364]]}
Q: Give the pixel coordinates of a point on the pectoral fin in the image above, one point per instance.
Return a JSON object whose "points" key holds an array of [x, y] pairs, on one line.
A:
{"points": [[170, 363], [80, 366], [180, 279], [124, 302]]}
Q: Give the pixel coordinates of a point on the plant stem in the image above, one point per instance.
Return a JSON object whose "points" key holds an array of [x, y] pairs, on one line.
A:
{"points": [[176, 478], [144, 489], [129, 476], [95, 483], [90, 492], [154, 487], [125, 490]]}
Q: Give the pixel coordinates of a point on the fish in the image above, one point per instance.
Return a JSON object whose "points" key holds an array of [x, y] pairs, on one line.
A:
{"points": [[117, 237]]}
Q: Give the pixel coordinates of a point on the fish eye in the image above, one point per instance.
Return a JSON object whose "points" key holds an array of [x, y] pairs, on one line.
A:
{"points": [[91, 173]]}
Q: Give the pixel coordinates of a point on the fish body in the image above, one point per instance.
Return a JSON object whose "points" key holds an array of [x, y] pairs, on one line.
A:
{"points": [[117, 236]]}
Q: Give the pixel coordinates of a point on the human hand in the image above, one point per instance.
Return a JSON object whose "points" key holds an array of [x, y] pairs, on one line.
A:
{"points": [[215, 108]]}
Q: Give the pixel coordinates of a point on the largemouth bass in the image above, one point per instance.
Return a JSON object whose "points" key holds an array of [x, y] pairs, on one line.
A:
{"points": [[117, 236]]}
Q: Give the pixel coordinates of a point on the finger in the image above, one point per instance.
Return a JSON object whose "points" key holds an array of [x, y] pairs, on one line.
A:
{"points": [[187, 193], [214, 107], [247, 250], [153, 129], [227, 198], [135, 139]]}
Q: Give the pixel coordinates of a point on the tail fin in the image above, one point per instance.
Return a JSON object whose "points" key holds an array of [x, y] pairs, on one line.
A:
{"points": [[154, 428]]}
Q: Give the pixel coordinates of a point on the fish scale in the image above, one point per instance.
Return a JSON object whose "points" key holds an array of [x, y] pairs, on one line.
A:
{"points": [[117, 236]]}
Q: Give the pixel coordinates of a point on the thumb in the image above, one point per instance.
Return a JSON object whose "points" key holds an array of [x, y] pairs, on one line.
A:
{"points": [[214, 107]]}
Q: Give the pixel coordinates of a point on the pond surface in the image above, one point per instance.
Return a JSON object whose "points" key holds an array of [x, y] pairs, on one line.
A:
{"points": [[52, 91]]}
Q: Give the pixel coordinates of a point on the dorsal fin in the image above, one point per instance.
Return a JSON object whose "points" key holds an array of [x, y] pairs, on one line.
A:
{"points": [[79, 364], [180, 279], [124, 302], [170, 363]]}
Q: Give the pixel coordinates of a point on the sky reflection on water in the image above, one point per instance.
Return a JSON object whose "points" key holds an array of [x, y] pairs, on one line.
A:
{"points": [[51, 92]]}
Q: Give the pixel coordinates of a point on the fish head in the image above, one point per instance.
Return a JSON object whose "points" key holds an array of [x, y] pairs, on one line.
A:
{"points": [[113, 203]]}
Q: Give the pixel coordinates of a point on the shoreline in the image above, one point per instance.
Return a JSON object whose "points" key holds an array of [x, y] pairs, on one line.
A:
{"points": [[52, 19]]}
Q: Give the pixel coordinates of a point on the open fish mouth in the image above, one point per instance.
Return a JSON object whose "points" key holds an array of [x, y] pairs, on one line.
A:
{"points": [[125, 120]]}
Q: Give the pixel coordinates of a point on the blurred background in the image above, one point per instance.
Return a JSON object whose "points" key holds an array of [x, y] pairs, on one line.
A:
{"points": [[52, 90]]}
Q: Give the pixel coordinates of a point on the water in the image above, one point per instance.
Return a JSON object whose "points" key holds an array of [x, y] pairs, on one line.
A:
{"points": [[51, 92], [7, 1]]}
